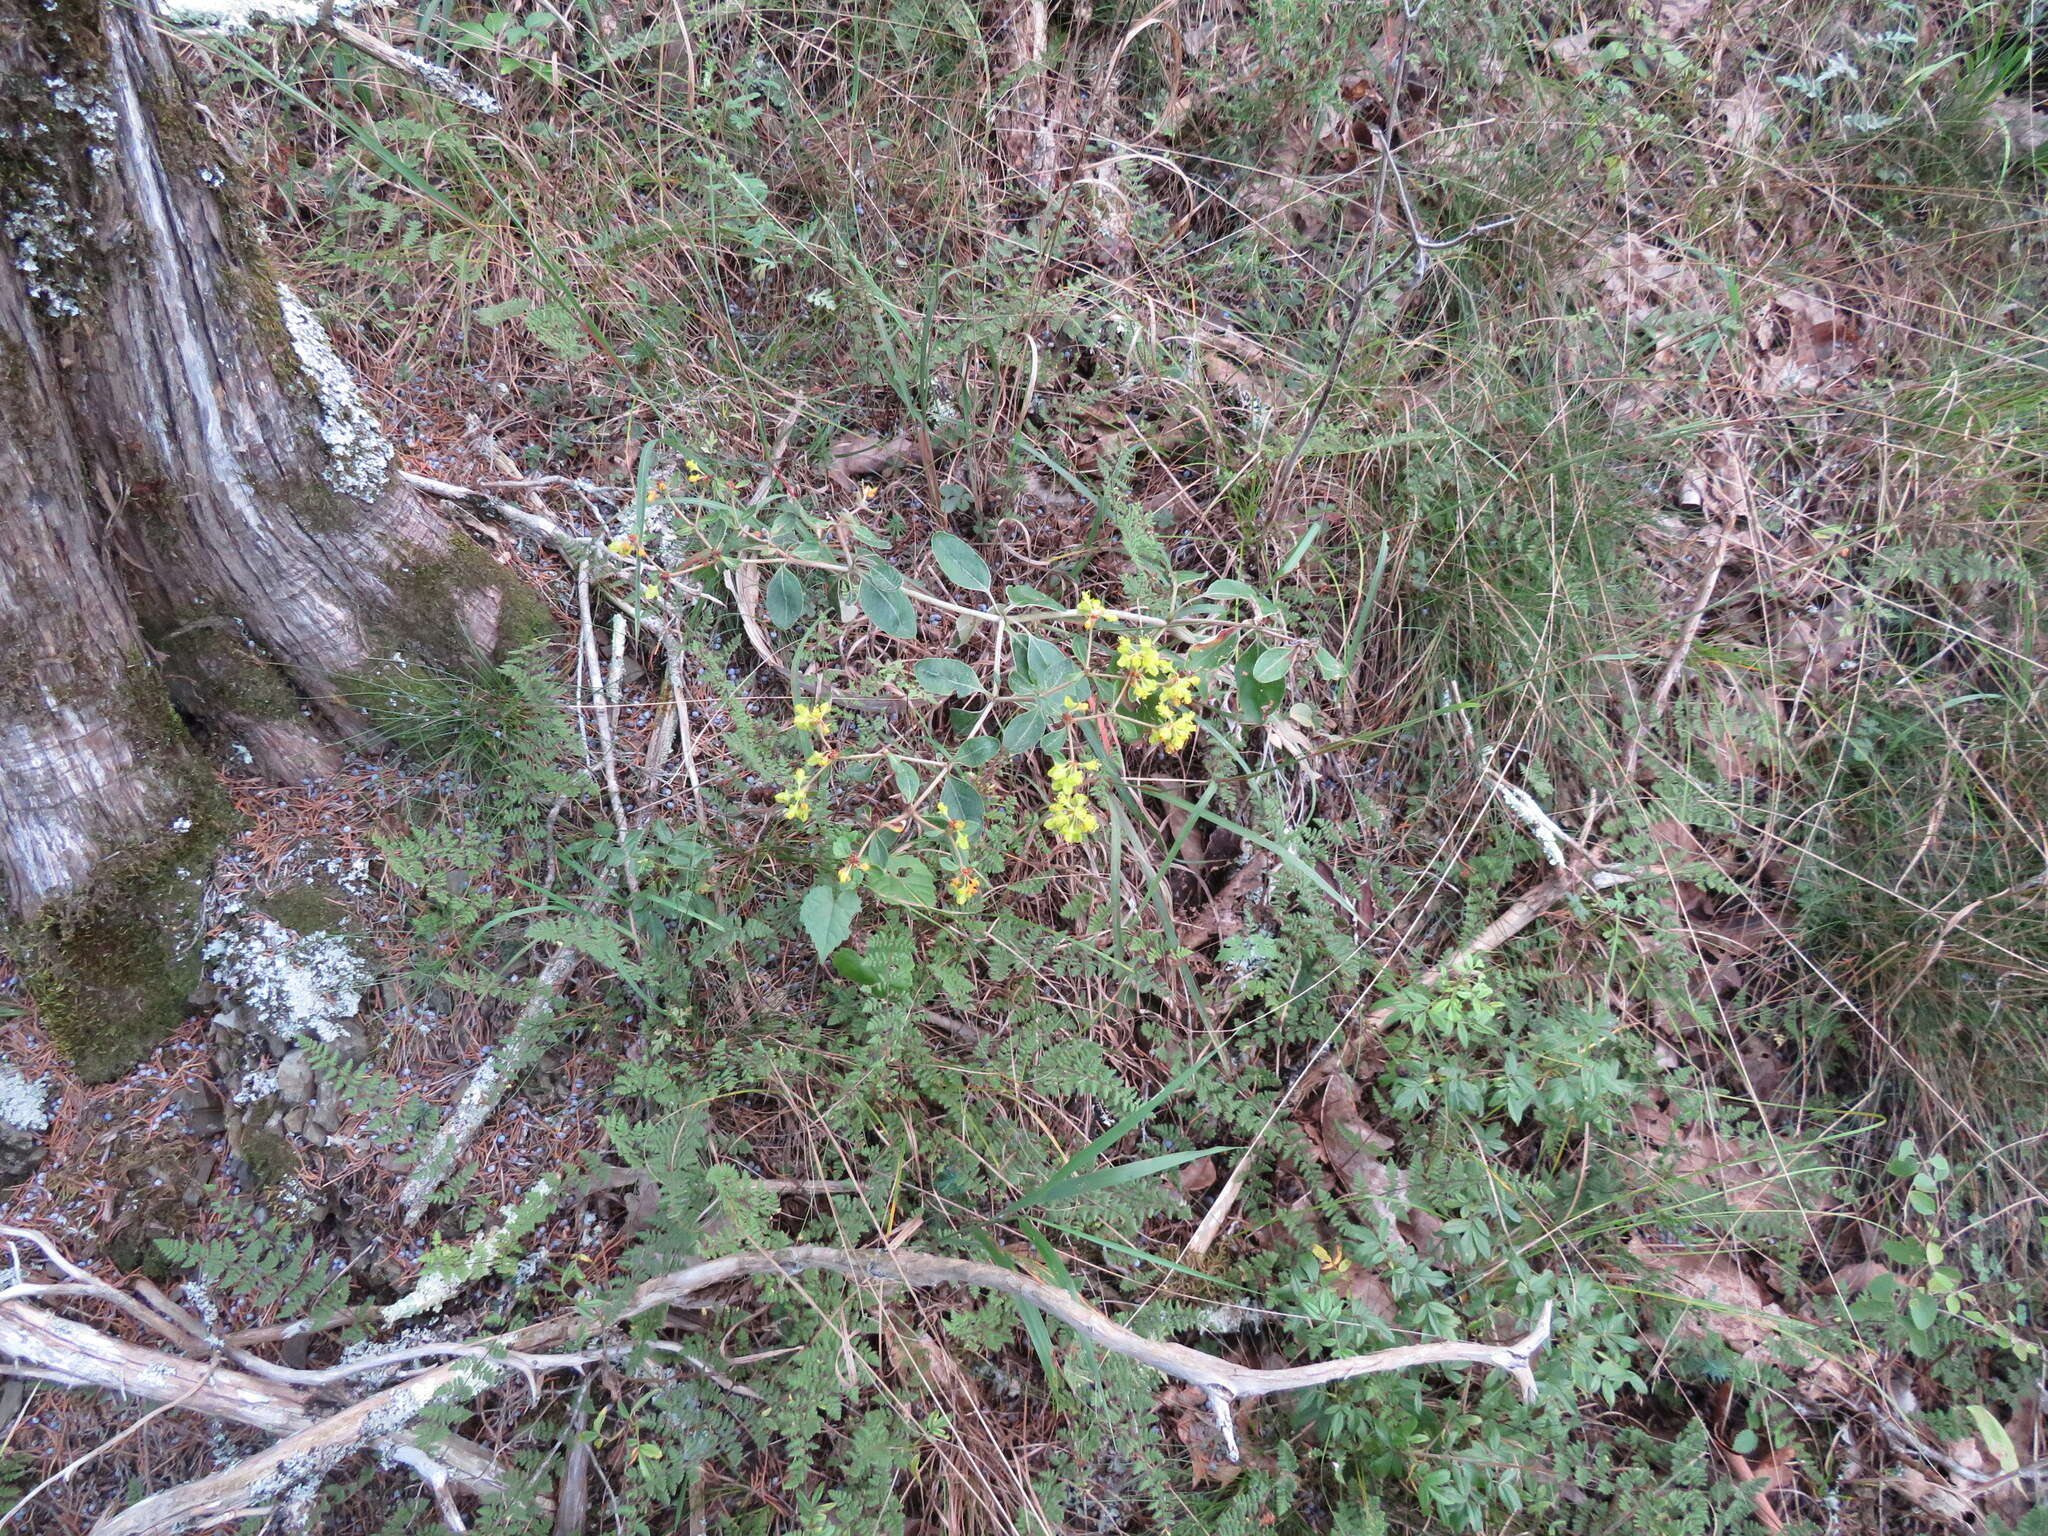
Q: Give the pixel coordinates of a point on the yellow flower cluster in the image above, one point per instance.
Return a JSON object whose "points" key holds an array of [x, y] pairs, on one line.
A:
{"points": [[954, 825], [1090, 607], [965, 886], [1071, 817], [1152, 677], [796, 800], [812, 717]]}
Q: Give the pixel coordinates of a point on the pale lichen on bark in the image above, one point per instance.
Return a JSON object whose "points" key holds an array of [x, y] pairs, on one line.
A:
{"points": [[359, 455]]}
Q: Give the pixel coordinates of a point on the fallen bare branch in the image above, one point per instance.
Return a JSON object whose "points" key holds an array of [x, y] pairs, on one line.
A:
{"points": [[1223, 1383], [486, 1087], [39, 1344], [296, 1464]]}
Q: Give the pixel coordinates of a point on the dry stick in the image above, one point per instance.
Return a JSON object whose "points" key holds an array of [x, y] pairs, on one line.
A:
{"points": [[1491, 937], [1687, 634], [484, 1090], [258, 1483], [310, 1449], [1223, 1383], [672, 654], [440, 80], [601, 694], [40, 1345]]}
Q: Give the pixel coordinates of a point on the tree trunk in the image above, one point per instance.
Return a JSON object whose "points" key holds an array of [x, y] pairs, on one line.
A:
{"points": [[203, 547]]}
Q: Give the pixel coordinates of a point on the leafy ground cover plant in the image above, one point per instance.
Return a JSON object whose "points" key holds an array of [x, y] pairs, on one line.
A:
{"points": [[1318, 674]]}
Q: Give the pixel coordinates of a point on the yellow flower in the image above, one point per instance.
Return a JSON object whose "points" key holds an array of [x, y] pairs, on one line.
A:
{"points": [[1089, 607], [1175, 731], [868, 493], [965, 886], [812, 717], [650, 593], [1070, 817], [627, 546], [696, 470], [796, 800]]}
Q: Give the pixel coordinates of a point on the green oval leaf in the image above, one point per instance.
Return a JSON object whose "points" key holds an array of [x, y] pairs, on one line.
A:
{"points": [[1273, 665], [962, 565], [905, 881], [1995, 1437], [976, 750], [1023, 731], [946, 677], [886, 606], [856, 968], [1225, 586], [964, 801], [787, 602]]}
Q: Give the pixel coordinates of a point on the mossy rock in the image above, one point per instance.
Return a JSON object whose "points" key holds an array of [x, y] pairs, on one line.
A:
{"points": [[310, 907]]}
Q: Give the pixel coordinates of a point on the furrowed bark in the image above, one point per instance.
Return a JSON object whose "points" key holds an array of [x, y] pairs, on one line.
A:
{"points": [[204, 538]]}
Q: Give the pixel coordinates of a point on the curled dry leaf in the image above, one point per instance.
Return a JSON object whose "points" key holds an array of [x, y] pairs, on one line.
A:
{"points": [[1361, 1285], [1350, 1147], [1806, 346], [1776, 1469], [1675, 20], [866, 456], [1932, 1496], [1745, 116], [1733, 1306], [1718, 479], [1197, 1176], [1575, 52], [1638, 278], [1701, 1154], [1193, 1425], [2017, 124]]}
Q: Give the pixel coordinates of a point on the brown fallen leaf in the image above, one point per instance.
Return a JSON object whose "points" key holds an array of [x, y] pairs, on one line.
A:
{"points": [[1701, 1153], [1189, 1419], [1805, 346], [1674, 20], [1638, 277], [1197, 1176], [1349, 1146], [2018, 124], [1745, 115], [1733, 1306], [1940, 1499], [1364, 1287], [866, 456]]}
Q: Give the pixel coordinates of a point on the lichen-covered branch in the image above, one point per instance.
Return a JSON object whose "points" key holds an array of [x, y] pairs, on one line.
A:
{"points": [[37, 1343]]}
